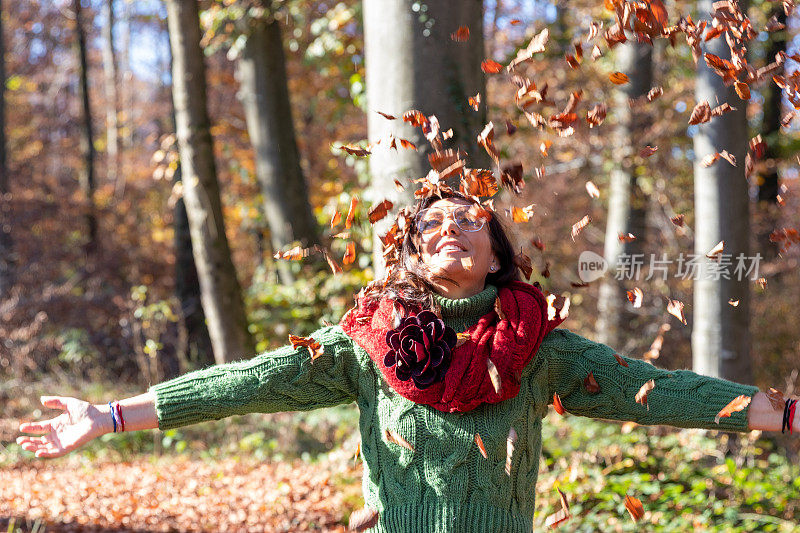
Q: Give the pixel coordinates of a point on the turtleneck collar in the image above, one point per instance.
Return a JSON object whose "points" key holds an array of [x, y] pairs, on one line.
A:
{"points": [[463, 313]]}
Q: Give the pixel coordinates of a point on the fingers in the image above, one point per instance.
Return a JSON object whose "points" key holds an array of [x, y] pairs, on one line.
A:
{"points": [[36, 427], [41, 447], [53, 402]]}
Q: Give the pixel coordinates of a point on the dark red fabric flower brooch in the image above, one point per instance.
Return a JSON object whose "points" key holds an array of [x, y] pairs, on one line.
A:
{"points": [[420, 349]]}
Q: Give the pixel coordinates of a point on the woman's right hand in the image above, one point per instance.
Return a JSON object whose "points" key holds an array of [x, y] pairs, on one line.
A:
{"points": [[78, 424]]}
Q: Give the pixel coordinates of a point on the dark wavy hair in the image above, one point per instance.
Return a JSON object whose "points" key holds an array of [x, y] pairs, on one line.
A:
{"points": [[409, 280]]}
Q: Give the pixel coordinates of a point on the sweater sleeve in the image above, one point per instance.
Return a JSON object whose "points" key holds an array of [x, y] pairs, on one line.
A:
{"points": [[680, 398], [282, 380]]}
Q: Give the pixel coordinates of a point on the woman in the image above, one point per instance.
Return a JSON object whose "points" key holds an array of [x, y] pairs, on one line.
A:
{"points": [[453, 363]]}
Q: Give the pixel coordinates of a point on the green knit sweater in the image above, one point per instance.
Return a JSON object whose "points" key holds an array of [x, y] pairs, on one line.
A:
{"points": [[445, 484]]}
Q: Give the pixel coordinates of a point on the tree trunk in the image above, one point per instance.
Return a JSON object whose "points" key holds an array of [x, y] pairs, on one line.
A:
{"points": [[265, 97], [627, 203], [721, 338], [221, 294], [6, 242], [411, 63], [110, 86], [86, 178]]}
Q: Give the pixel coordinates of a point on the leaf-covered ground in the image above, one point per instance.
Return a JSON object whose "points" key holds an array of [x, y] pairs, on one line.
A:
{"points": [[178, 494]]}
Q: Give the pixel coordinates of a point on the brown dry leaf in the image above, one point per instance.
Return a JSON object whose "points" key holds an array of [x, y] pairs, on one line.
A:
{"points": [[579, 225], [511, 129], [544, 146], [762, 282], [620, 360], [415, 118], [596, 115], [678, 220], [557, 306], [556, 519], [648, 150], [710, 159], [489, 66], [334, 266], [557, 405], [511, 440], [349, 253], [701, 113], [396, 438], [618, 78], [776, 399], [635, 297], [742, 90], [590, 384], [758, 147], [461, 338], [630, 237], [592, 190], [461, 34], [405, 143], [523, 262], [786, 120], [386, 115], [295, 254], [773, 24], [536, 45], [634, 507], [363, 519], [475, 101], [351, 212], [481, 447], [737, 404], [729, 157], [596, 53], [675, 308], [717, 250], [644, 390], [722, 109], [733, 303], [399, 186], [314, 348], [379, 211], [486, 139], [499, 309], [354, 149], [494, 375], [654, 93]]}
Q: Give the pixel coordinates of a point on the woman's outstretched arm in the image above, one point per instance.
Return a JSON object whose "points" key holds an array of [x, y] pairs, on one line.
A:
{"points": [[761, 415], [81, 422]]}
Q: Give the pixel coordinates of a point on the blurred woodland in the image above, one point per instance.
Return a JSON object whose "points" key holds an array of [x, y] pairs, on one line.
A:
{"points": [[184, 183]]}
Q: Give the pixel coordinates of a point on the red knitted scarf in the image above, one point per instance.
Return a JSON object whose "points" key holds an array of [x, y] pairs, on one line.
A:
{"points": [[510, 342]]}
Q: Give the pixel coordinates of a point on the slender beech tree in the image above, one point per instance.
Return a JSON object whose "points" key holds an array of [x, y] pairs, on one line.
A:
{"points": [[86, 178], [265, 96], [110, 89], [721, 338], [221, 294], [627, 203], [412, 63], [6, 242]]}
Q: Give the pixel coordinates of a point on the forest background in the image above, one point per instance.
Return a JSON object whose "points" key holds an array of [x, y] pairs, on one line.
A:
{"points": [[100, 293]]}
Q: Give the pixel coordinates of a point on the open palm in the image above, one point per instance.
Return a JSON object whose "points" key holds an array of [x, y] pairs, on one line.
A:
{"points": [[79, 423]]}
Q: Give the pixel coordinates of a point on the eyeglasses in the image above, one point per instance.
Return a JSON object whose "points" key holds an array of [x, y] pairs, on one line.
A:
{"points": [[467, 218]]}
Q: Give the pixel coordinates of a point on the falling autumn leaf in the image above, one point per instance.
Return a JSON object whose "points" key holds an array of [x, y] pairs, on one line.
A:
{"points": [[675, 308], [475, 101], [498, 308], [351, 212], [776, 399], [701, 113], [557, 404], [590, 384], [396, 438], [511, 440], [295, 254], [481, 447], [350, 253], [648, 150], [717, 250], [461, 338], [461, 34], [560, 516], [490, 66], [620, 360], [579, 225], [737, 404], [654, 93], [405, 143], [523, 262], [762, 283], [337, 217], [629, 237], [355, 150], [592, 190], [379, 211], [494, 376], [635, 297], [363, 519], [733, 303], [742, 90], [618, 78], [634, 507], [314, 348], [678, 220], [596, 115], [644, 390], [511, 129], [386, 115]]}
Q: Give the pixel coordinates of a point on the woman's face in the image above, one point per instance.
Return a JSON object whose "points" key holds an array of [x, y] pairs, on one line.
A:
{"points": [[449, 249]]}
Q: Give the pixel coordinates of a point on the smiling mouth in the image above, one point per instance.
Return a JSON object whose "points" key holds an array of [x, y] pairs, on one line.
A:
{"points": [[450, 248]]}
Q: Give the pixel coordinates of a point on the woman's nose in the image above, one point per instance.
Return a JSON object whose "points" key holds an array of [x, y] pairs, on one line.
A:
{"points": [[449, 226]]}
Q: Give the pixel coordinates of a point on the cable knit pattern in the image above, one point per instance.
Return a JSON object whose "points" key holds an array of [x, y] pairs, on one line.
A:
{"points": [[445, 484]]}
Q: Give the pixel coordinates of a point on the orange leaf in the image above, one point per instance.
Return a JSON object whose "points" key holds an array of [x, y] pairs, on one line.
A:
{"points": [[355, 150], [350, 253], [644, 390], [386, 115], [475, 101], [630, 237], [396, 438], [479, 442], [379, 211], [295, 254], [490, 66], [737, 404], [620, 360], [351, 213], [742, 90], [461, 338], [635, 297], [618, 78], [634, 507], [590, 384], [337, 217], [701, 113], [654, 93], [675, 308], [405, 143], [314, 348], [461, 34], [557, 404], [648, 150]]}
